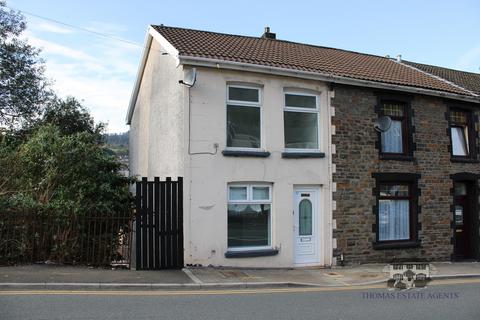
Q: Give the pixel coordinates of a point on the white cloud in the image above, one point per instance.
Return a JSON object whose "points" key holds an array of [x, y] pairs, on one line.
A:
{"points": [[43, 25], [51, 48], [96, 70], [107, 99], [106, 27], [470, 60]]}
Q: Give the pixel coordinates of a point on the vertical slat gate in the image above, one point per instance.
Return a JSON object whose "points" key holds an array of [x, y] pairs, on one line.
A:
{"points": [[144, 224], [180, 220], [159, 224], [150, 226], [168, 230], [163, 244], [156, 252], [138, 227]]}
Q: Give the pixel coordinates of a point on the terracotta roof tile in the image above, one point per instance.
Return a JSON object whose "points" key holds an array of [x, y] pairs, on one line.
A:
{"points": [[303, 57], [467, 80]]}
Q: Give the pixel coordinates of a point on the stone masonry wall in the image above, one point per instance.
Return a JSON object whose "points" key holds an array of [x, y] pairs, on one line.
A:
{"points": [[357, 158]]}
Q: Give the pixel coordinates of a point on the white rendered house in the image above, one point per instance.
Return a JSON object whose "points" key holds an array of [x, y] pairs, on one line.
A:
{"points": [[254, 148]]}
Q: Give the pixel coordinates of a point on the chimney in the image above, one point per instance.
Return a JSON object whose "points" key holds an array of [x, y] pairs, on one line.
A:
{"points": [[399, 58], [268, 35]]}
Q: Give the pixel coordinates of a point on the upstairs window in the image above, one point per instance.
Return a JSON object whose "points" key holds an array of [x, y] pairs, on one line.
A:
{"points": [[300, 116], [243, 117], [461, 128], [395, 139]]}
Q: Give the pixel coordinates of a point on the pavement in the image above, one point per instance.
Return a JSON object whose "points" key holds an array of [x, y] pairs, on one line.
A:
{"points": [[77, 277]]}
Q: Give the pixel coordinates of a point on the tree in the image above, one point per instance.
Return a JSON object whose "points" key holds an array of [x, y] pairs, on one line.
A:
{"points": [[72, 173], [67, 183], [24, 89], [71, 117]]}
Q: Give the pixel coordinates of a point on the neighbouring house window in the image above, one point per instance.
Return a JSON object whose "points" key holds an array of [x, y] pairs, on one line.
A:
{"points": [[394, 140], [249, 217], [394, 204], [396, 224], [301, 116], [460, 129], [243, 117]]}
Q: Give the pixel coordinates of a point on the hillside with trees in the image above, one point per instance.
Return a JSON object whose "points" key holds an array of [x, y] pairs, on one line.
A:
{"points": [[118, 143]]}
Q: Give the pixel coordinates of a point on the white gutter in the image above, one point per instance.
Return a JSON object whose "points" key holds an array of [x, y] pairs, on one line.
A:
{"points": [[222, 64]]}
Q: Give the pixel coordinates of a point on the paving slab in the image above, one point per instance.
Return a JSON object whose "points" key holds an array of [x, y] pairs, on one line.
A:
{"points": [[81, 274], [312, 276], [336, 276], [455, 269]]}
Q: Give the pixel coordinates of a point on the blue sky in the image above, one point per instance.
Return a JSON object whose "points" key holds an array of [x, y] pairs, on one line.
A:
{"points": [[101, 71]]}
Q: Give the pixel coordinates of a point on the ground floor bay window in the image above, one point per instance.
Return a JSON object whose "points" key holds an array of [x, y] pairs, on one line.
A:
{"points": [[249, 217]]}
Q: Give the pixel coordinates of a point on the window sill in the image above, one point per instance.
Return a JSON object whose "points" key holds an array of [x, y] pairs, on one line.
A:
{"points": [[299, 155], [398, 157], [251, 253], [463, 159], [396, 244], [246, 153]]}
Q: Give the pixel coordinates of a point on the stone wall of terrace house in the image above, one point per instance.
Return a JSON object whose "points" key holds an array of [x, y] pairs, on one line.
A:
{"points": [[357, 158]]}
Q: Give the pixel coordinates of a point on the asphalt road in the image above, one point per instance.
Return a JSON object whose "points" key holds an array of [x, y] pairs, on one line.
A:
{"points": [[450, 301]]}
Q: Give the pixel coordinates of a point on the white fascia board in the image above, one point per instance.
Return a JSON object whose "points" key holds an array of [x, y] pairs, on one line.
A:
{"points": [[151, 34], [232, 65], [167, 46], [138, 79]]}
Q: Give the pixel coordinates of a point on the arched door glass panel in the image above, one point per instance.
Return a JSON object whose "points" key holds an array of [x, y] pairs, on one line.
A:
{"points": [[305, 218]]}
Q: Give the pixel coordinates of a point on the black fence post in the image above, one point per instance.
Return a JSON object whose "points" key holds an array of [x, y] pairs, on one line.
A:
{"points": [[157, 223], [163, 237], [138, 228], [144, 223], [150, 225], [168, 252], [180, 222]]}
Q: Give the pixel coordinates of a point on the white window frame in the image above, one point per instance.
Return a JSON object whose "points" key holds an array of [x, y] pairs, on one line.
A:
{"points": [[240, 103], [304, 110], [250, 200]]}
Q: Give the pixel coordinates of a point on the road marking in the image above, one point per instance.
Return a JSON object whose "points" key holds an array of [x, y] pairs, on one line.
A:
{"points": [[219, 292], [192, 277]]}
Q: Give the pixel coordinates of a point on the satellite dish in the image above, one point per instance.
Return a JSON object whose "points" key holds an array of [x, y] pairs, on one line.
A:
{"points": [[383, 124], [190, 78]]}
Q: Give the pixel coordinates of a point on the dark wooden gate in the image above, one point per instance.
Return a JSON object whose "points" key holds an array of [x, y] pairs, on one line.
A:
{"points": [[159, 224]]}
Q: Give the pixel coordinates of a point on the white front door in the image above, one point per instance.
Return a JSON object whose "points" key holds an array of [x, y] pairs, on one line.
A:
{"points": [[305, 225]]}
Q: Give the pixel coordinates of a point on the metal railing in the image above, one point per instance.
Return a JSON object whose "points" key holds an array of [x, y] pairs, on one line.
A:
{"points": [[33, 237]]}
